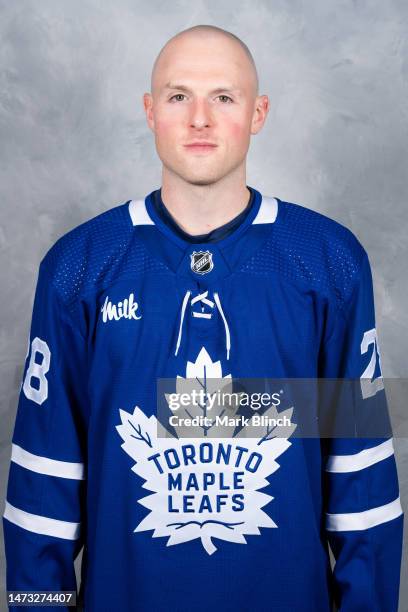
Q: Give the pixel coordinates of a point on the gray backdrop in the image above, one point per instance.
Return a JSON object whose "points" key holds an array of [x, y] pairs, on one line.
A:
{"points": [[74, 140]]}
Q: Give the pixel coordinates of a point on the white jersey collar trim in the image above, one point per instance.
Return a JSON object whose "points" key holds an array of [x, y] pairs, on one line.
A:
{"points": [[267, 213]]}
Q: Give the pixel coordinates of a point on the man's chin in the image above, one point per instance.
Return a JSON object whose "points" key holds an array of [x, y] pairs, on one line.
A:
{"points": [[195, 176], [203, 178]]}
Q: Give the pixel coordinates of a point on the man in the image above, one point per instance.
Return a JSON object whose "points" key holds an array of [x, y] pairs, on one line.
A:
{"points": [[204, 279]]}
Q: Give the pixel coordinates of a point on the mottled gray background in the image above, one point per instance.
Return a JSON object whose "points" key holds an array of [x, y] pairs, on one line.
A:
{"points": [[74, 140]]}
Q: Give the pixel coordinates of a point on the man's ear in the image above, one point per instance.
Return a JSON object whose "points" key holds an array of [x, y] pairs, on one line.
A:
{"points": [[148, 107], [262, 106]]}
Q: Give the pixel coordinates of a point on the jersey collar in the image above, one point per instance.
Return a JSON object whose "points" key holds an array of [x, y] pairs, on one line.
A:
{"points": [[264, 210]]}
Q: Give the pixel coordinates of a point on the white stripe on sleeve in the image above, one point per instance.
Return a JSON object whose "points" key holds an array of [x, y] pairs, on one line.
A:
{"points": [[361, 460], [41, 524], [43, 465], [355, 521]]}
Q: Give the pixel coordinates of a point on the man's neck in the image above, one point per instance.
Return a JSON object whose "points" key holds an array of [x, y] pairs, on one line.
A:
{"points": [[199, 209]]}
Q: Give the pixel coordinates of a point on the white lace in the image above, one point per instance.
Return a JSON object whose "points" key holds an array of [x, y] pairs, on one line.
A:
{"points": [[202, 297]]}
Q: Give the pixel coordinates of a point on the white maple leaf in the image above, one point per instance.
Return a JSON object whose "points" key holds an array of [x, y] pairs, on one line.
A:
{"points": [[205, 375], [202, 488]]}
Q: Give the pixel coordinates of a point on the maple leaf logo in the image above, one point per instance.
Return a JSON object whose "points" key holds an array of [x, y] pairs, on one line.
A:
{"points": [[204, 375], [202, 488]]}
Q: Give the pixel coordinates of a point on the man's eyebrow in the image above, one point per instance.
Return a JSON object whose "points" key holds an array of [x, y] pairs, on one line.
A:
{"points": [[181, 87]]}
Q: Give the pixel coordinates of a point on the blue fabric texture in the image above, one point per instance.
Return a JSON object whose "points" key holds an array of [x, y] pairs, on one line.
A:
{"points": [[204, 522]]}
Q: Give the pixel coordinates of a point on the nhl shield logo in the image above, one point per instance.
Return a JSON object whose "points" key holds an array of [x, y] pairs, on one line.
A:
{"points": [[201, 262]]}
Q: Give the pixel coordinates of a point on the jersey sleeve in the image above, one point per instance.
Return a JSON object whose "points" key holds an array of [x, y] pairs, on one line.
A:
{"points": [[363, 518], [43, 515]]}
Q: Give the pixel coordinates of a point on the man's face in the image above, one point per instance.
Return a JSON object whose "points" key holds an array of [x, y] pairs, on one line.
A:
{"points": [[203, 91]]}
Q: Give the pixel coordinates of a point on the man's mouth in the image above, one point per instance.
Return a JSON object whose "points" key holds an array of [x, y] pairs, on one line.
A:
{"points": [[202, 147]]}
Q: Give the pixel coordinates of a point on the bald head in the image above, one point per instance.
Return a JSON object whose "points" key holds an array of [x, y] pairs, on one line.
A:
{"points": [[204, 87], [206, 34]]}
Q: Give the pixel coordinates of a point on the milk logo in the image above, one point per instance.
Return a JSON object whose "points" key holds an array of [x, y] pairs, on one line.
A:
{"points": [[126, 309], [202, 488]]}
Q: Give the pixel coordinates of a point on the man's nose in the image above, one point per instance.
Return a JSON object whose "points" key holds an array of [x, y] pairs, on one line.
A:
{"points": [[200, 113]]}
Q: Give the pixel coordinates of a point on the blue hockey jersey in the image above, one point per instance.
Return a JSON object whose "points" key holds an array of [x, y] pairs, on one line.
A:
{"points": [[180, 524]]}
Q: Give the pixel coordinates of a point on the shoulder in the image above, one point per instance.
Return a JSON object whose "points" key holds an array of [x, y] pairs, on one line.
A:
{"points": [[305, 225], [86, 254], [316, 250]]}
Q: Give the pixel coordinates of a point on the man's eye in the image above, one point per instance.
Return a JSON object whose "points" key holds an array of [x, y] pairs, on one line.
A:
{"points": [[227, 97], [175, 96]]}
